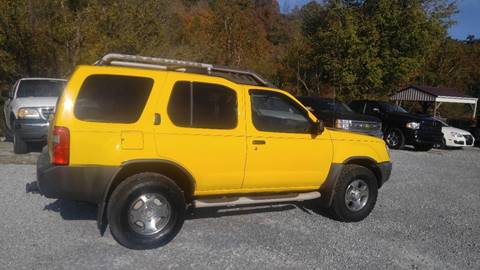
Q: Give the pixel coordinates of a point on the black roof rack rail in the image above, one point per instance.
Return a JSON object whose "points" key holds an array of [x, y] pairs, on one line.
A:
{"points": [[235, 75]]}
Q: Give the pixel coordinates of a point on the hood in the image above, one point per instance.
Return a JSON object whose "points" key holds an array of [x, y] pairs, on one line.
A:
{"points": [[33, 102], [36, 101], [453, 129], [343, 135], [330, 117], [412, 117]]}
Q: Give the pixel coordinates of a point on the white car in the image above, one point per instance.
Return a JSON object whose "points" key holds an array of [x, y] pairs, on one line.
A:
{"points": [[27, 108], [455, 137]]}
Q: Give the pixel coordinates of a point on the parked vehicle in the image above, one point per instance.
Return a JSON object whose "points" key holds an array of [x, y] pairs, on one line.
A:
{"points": [[455, 137], [144, 142], [29, 104], [400, 127], [470, 125], [337, 114]]}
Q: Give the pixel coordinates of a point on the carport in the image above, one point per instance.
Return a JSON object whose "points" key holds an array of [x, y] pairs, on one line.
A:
{"points": [[428, 95]]}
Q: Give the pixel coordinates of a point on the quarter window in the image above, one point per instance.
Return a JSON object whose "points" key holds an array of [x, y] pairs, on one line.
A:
{"points": [[112, 98], [203, 105], [275, 112]]}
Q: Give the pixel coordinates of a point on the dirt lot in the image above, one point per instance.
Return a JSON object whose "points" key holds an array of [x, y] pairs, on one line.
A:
{"points": [[426, 217]]}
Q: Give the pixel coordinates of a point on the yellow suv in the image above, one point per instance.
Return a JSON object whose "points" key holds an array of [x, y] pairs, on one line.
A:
{"points": [[145, 138]]}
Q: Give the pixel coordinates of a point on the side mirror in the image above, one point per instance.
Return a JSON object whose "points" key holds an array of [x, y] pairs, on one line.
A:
{"points": [[317, 127]]}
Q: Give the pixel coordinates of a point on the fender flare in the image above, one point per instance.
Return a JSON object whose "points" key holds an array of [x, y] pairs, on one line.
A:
{"points": [[128, 168]]}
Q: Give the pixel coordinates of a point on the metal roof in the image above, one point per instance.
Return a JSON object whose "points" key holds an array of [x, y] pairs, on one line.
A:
{"points": [[434, 94]]}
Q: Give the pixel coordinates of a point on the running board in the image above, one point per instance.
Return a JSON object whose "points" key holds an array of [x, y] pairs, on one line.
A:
{"points": [[256, 199]]}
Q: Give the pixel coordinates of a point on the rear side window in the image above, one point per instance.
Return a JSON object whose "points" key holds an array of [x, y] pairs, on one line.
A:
{"points": [[112, 98], [203, 105]]}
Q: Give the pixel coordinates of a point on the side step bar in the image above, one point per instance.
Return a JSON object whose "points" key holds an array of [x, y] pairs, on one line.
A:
{"points": [[256, 199]]}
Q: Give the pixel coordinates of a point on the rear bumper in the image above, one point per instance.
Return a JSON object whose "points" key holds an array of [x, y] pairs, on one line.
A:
{"points": [[82, 183], [31, 130]]}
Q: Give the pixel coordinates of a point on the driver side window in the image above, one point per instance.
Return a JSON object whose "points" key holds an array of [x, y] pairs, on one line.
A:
{"points": [[274, 112], [373, 108]]}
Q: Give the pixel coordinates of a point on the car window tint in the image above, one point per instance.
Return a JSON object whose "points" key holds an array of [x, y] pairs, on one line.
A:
{"points": [[357, 106], [40, 88], [203, 105], [276, 112], [179, 107], [112, 98]]}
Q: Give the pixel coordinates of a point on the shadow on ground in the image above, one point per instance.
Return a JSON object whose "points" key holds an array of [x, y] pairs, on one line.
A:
{"points": [[74, 210]]}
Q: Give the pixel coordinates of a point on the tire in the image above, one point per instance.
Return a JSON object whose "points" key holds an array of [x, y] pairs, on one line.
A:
{"points": [[146, 197], [353, 179], [19, 145], [444, 144], [394, 138], [423, 147]]}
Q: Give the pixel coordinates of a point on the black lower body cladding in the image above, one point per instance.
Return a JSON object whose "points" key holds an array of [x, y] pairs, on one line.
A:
{"points": [[82, 183]]}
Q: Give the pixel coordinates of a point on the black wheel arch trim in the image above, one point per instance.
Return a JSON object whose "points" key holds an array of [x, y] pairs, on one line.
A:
{"points": [[129, 168], [382, 172]]}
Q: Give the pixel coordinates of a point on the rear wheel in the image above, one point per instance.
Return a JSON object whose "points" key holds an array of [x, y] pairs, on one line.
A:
{"points": [[355, 194], [394, 138], [146, 211], [19, 145]]}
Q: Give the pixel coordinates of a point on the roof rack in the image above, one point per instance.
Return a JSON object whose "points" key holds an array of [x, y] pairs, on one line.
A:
{"points": [[235, 75]]}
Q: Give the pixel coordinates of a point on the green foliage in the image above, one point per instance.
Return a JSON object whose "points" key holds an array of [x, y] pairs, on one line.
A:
{"points": [[350, 48]]}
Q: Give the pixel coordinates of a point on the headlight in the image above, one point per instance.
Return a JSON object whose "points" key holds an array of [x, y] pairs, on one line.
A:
{"points": [[413, 125], [343, 124], [28, 113]]}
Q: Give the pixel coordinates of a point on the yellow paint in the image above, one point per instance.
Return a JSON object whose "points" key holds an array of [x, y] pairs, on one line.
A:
{"points": [[221, 161]]}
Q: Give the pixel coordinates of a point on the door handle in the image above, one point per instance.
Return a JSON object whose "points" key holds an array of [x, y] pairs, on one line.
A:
{"points": [[157, 119], [258, 142]]}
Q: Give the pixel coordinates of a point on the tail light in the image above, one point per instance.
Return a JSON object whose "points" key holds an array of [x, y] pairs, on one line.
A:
{"points": [[60, 146]]}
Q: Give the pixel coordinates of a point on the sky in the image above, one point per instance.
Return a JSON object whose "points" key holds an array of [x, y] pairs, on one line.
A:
{"points": [[468, 17]]}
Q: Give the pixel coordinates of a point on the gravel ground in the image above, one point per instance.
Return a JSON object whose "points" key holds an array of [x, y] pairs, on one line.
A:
{"points": [[426, 217]]}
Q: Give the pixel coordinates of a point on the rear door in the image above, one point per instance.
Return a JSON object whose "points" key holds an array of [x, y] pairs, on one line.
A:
{"points": [[281, 152], [203, 130]]}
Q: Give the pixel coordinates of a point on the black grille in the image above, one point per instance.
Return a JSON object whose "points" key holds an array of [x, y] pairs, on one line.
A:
{"points": [[468, 139], [46, 112]]}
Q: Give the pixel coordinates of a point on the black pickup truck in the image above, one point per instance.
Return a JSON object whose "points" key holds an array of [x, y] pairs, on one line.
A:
{"points": [[338, 115], [400, 127]]}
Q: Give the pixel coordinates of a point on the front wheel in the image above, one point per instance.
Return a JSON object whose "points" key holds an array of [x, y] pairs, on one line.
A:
{"points": [[394, 138], [355, 194], [146, 211]]}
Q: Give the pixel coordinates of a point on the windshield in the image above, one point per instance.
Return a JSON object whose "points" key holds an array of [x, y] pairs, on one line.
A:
{"points": [[333, 106], [40, 88], [392, 108]]}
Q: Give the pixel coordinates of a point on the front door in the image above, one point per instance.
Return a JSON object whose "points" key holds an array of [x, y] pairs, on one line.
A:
{"points": [[282, 154]]}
